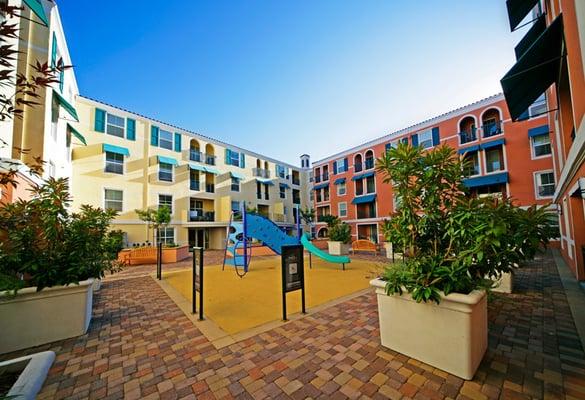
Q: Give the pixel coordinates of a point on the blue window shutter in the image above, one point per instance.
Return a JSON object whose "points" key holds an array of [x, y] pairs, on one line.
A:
{"points": [[177, 142], [100, 121], [388, 146], [130, 129], [334, 167], [436, 138], [414, 139], [54, 51], [227, 156], [154, 135], [405, 140], [242, 160], [345, 164]]}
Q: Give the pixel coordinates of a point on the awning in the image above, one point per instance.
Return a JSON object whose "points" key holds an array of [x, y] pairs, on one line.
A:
{"points": [[210, 170], [321, 186], [339, 181], [362, 176], [78, 135], [265, 181], [167, 160], [364, 199], [65, 104], [237, 175], [539, 130], [37, 7], [535, 71], [197, 167], [518, 9], [533, 33], [116, 149], [493, 143], [284, 185], [487, 180], [468, 149]]}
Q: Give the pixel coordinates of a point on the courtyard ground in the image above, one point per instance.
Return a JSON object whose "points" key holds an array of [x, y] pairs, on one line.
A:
{"points": [[140, 345]]}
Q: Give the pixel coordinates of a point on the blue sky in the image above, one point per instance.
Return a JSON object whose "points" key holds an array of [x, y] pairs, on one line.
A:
{"points": [[289, 77]]}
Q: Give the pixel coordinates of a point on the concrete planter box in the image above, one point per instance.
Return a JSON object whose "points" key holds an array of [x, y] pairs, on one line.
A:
{"points": [[451, 336], [174, 254], [33, 372], [338, 248], [505, 284], [33, 318]]}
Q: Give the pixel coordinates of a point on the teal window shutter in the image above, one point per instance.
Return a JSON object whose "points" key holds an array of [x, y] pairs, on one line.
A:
{"points": [[177, 142], [61, 80], [130, 129], [414, 139], [242, 160], [100, 120], [54, 51], [227, 156], [154, 135], [436, 138], [334, 167]]}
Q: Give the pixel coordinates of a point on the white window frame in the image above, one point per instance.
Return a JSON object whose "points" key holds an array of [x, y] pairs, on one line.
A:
{"points": [[172, 173], [160, 134], [541, 101], [538, 183], [281, 191], [235, 161], [172, 201], [502, 162], [341, 162], [123, 127], [166, 229], [339, 187], [106, 163], [104, 198], [420, 142], [366, 185], [479, 166], [339, 213], [235, 183], [533, 150]]}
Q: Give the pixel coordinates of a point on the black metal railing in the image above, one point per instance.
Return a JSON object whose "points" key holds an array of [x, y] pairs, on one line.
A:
{"points": [[467, 136], [357, 167], [195, 185], [492, 129], [200, 215], [369, 163], [210, 188], [261, 173], [325, 176], [195, 155], [209, 159], [317, 178]]}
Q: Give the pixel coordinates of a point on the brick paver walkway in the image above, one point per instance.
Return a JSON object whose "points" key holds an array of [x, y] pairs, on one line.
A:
{"points": [[141, 346]]}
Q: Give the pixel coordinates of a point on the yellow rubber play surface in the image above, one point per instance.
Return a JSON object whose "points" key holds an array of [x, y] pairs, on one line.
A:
{"points": [[237, 304]]}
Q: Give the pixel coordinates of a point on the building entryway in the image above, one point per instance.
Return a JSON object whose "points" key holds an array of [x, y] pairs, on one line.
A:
{"points": [[198, 237]]}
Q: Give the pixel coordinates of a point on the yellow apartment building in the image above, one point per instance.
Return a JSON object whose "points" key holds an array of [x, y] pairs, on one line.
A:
{"points": [[134, 162]]}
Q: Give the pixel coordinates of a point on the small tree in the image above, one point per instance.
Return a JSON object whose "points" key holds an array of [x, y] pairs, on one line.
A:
{"points": [[307, 215], [155, 219]]}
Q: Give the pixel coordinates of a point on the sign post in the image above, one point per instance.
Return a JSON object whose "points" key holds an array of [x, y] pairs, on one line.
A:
{"points": [[159, 261], [198, 280], [293, 274]]}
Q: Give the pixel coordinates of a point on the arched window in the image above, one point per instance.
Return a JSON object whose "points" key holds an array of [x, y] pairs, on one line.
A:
{"points": [[467, 130], [194, 150], [491, 122], [209, 154], [357, 163], [369, 159]]}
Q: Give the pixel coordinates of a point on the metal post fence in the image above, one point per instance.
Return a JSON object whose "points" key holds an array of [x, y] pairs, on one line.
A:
{"points": [[159, 261], [198, 280]]}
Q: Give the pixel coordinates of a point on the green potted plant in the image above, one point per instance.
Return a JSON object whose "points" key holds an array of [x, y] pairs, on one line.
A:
{"points": [[49, 259], [456, 245], [339, 237]]}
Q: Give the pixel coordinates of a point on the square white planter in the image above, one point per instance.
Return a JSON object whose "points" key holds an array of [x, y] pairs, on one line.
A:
{"points": [[505, 284], [451, 336], [338, 248], [35, 368], [33, 318]]}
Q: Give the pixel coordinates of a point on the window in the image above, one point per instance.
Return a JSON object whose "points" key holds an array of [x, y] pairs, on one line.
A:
{"points": [[471, 164], [370, 184], [494, 159], [282, 190], [233, 158], [115, 125], [554, 223], [538, 107], [545, 184], [113, 199], [359, 187], [318, 195], [165, 172], [342, 209], [166, 235], [235, 184], [114, 163], [326, 193], [165, 140], [281, 171], [425, 139], [341, 165], [266, 192], [165, 200], [341, 189], [541, 145], [235, 206], [258, 190]]}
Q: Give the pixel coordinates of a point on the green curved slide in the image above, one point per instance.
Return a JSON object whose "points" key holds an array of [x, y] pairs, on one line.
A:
{"points": [[311, 248]]}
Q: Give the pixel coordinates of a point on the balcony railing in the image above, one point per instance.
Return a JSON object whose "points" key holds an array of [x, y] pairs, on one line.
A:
{"points": [[210, 188], [325, 176], [492, 129], [364, 214], [321, 218], [200, 215], [317, 178], [296, 180], [195, 185], [468, 136], [278, 217], [198, 156], [261, 173], [357, 167], [296, 200], [209, 159], [369, 163]]}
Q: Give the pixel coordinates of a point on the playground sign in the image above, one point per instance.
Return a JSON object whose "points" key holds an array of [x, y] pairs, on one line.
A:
{"points": [[198, 280], [293, 274]]}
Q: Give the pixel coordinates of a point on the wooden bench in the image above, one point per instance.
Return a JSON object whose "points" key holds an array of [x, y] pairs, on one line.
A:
{"points": [[141, 254], [364, 245]]}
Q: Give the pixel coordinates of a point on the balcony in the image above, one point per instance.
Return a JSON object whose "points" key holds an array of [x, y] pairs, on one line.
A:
{"points": [[321, 218], [492, 129], [357, 167], [210, 188], [261, 173], [469, 136], [317, 178], [195, 185], [296, 180], [209, 159], [195, 155], [325, 176], [201, 216], [369, 163]]}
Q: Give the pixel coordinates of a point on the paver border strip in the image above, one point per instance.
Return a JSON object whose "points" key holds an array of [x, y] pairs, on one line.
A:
{"points": [[220, 338]]}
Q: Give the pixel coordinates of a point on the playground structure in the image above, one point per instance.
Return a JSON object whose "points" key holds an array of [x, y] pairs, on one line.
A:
{"points": [[255, 226]]}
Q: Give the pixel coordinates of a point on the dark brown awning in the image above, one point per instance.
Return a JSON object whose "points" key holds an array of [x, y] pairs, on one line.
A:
{"points": [[536, 70], [533, 33]]}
